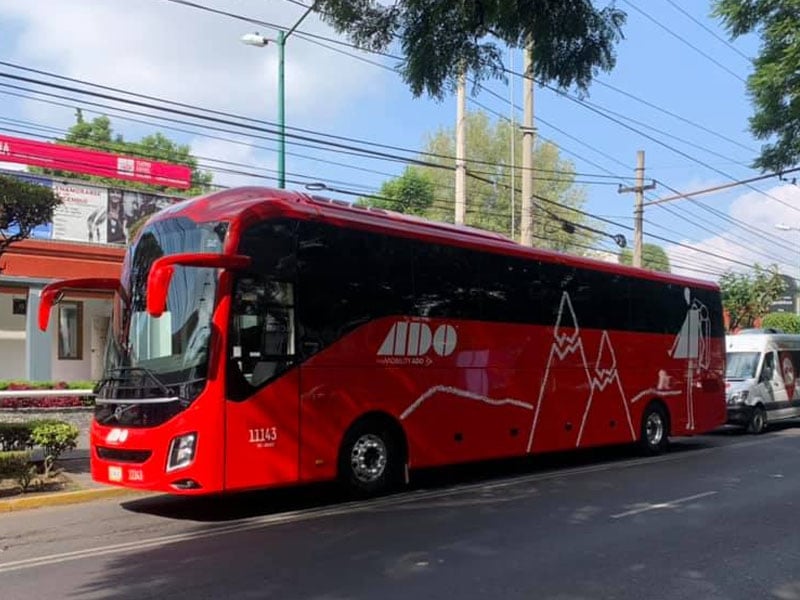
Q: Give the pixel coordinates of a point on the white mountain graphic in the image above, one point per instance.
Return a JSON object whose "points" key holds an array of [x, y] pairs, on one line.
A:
{"points": [[567, 348], [607, 396]]}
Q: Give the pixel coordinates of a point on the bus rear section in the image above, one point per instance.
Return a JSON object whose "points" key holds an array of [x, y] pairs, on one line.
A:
{"points": [[761, 379]]}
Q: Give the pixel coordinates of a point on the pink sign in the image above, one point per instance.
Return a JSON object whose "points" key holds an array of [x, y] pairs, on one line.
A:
{"points": [[93, 162]]}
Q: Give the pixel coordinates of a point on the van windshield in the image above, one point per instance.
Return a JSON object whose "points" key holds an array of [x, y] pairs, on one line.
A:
{"points": [[741, 365]]}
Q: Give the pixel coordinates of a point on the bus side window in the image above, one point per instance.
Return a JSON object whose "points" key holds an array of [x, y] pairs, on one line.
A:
{"points": [[262, 328]]}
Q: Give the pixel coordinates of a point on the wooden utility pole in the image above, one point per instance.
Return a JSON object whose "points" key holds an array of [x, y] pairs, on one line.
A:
{"points": [[526, 219], [461, 150], [638, 209]]}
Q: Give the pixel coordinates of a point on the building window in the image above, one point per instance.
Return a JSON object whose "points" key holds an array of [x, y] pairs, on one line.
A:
{"points": [[70, 331], [20, 306]]}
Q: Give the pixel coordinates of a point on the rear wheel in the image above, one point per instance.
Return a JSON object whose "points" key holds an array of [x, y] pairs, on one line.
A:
{"points": [[654, 437], [371, 459], [758, 420]]}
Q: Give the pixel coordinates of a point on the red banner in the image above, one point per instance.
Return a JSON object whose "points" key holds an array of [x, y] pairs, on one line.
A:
{"points": [[93, 162]]}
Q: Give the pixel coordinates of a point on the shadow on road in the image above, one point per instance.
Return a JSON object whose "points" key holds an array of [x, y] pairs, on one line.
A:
{"points": [[231, 507]]}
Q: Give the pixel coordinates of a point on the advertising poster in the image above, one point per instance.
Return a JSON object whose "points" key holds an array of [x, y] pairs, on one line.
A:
{"points": [[126, 208], [42, 232], [82, 215]]}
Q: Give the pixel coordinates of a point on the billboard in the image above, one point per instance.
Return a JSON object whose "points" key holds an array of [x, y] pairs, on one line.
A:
{"points": [[125, 208], [93, 162], [82, 214]]}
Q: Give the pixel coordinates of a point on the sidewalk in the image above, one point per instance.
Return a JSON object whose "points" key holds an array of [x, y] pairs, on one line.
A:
{"points": [[75, 465]]}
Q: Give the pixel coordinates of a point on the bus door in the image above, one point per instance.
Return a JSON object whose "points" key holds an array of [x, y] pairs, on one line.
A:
{"points": [[262, 404]]}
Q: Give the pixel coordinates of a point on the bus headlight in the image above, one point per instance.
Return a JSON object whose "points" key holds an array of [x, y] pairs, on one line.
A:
{"points": [[181, 451], [739, 397]]}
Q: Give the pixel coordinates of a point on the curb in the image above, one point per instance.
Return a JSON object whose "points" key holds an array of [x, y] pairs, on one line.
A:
{"points": [[63, 498]]}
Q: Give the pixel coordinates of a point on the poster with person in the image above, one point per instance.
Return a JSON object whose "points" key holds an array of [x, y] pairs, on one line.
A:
{"points": [[126, 208], [82, 214]]}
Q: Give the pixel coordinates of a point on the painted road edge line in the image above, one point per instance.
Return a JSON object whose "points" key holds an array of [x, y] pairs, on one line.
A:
{"points": [[661, 505], [63, 498]]}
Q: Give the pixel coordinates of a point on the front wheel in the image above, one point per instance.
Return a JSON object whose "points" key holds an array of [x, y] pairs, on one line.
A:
{"points": [[758, 420], [370, 461], [655, 430]]}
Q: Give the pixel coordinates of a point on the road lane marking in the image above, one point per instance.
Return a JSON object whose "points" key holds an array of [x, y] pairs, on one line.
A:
{"points": [[356, 507], [661, 505]]}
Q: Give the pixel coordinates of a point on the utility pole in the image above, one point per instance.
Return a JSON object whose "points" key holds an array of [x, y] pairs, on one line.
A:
{"points": [[526, 219], [461, 147], [638, 210], [513, 154]]}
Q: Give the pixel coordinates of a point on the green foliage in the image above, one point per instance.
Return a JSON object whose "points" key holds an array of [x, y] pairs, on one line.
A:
{"points": [[6, 384], [786, 322], [747, 296], [489, 202], [774, 85], [411, 193], [15, 436], [573, 40], [55, 439], [23, 207], [17, 466], [653, 257], [98, 134]]}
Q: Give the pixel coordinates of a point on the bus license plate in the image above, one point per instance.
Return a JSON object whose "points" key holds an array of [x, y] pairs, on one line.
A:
{"points": [[115, 473]]}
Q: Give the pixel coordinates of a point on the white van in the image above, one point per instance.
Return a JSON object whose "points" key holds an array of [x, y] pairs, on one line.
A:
{"points": [[761, 378]]}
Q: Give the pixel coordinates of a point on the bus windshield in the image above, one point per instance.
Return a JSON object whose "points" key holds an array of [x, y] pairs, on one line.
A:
{"points": [[741, 365], [170, 352]]}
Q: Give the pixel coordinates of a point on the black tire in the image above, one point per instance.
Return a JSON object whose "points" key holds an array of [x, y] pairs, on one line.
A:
{"points": [[654, 431], [371, 459], [758, 420]]}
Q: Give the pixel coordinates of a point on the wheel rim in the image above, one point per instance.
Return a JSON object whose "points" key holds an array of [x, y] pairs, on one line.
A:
{"points": [[368, 458], [758, 421], [654, 429]]}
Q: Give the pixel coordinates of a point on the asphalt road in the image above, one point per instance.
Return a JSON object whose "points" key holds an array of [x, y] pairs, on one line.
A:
{"points": [[716, 518]]}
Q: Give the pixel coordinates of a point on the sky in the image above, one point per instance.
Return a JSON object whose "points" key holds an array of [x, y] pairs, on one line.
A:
{"points": [[667, 60]]}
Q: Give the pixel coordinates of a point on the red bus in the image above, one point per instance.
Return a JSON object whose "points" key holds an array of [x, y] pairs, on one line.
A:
{"points": [[266, 338]]}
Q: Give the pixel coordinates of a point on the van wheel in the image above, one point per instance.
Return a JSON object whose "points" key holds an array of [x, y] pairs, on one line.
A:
{"points": [[370, 462], [654, 435], [758, 420]]}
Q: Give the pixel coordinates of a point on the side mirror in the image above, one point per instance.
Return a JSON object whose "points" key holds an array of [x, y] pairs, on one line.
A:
{"points": [[161, 271], [53, 292]]}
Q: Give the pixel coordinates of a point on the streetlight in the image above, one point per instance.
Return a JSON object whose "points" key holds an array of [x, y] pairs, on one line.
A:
{"points": [[255, 39]]}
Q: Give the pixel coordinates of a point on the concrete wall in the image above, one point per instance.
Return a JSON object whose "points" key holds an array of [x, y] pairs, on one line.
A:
{"points": [[12, 338], [71, 370]]}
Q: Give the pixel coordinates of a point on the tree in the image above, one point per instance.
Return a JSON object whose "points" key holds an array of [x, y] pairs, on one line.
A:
{"points": [[653, 257], [429, 191], [774, 84], [572, 38], [786, 322], [411, 193], [99, 135], [747, 296], [23, 208]]}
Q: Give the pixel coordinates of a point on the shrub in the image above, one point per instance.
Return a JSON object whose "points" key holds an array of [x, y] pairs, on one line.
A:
{"points": [[17, 466], [15, 436], [788, 322], [55, 438]]}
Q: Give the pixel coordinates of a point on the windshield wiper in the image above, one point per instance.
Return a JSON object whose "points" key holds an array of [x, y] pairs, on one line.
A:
{"points": [[133, 383]]}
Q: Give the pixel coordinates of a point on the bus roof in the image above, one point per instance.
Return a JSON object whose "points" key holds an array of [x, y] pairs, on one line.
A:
{"points": [[249, 204]]}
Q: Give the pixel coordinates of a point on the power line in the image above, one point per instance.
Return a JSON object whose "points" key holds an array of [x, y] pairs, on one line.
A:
{"points": [[684, 41], [683, 11]]}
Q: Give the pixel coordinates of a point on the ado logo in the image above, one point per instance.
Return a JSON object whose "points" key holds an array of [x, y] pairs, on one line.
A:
{"points": [[413, 339]]}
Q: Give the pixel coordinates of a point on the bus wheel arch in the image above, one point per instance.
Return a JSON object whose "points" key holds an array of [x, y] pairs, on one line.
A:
{"points": [[373, 454], [655, 427], [758, 420]]}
